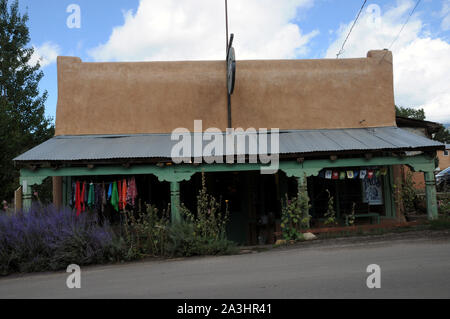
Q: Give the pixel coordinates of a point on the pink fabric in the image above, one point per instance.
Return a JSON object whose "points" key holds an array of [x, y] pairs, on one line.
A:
{"points": [[132, 191]]}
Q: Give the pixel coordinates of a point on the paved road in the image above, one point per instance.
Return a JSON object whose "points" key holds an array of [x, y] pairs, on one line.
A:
{"points": [[411, 268]]}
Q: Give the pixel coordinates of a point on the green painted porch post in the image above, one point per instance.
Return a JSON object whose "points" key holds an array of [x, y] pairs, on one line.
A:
{"points": [[175, 201], [26, 196], [430, 184]]}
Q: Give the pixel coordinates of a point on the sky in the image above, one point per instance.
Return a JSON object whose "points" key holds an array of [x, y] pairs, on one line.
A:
{"points": [[155, 30]]}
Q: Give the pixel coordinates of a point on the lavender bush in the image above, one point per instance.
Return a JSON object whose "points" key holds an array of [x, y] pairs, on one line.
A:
{"points": [[48, 239]]}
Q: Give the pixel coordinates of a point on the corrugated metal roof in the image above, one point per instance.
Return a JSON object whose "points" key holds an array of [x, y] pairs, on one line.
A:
{"points": [[73, 148]]}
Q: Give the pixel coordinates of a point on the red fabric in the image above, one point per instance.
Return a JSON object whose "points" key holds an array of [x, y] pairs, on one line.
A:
{"points": [[335, 175], [83, 194], [124, 193], [78, 198], [369, 174]]}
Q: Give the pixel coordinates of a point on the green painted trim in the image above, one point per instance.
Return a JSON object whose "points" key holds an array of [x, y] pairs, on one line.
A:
{"points": [[185, 171], [178, 173]]}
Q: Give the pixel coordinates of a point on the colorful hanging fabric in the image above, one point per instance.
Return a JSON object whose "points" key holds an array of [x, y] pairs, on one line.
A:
{"points": [[98, 197], [83, 198], [350, 174], [328, 174], [124, 193], [355, 174], [342, 175], [115, 197], [370, 174], [383, 171], [91, 196], [109, 191], [132, 191], [335, 175], [103, 197], [78, 198], [362, 174], [119, 188], [377, 173]]}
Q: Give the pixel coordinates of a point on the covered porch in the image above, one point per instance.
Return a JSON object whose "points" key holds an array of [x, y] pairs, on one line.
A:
{"points": [[306, 159]]}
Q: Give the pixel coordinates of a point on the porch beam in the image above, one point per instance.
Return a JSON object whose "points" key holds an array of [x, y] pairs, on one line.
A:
{"points": [[185, 171]]}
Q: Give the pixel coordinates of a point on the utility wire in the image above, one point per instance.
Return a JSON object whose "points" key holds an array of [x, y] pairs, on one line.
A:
{"points": [[406, 22], [403, 26], [351, 29]]}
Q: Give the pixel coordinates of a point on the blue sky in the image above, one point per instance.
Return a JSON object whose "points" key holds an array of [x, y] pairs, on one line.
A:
{"points": [[194, 29]]}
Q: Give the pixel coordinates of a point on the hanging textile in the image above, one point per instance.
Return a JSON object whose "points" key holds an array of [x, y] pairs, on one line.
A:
{"points": [[370, 174], [91, 196], [335, 175], [98, 197], [131, 192], [124, 193], [119, 189], [83, 197], [342, 175], [115, 196], [328, 174], [103, 197], [110, 191], [350, 175], [362, 173], [78, 198]]}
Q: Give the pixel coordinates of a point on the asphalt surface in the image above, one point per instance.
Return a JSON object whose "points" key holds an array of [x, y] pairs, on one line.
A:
{"points": [[410, 268]]}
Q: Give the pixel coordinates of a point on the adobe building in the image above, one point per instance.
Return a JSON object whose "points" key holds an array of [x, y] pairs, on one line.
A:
{"points": [[444, 158], [337, 128]]}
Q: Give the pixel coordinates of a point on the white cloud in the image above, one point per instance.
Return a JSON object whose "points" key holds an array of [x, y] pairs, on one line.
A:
{"points": [[195, 30], [421, 63], [45, 54]]}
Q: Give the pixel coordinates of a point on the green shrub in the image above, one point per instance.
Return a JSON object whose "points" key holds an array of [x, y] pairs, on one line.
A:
{"points": [[210, 221], [330, 215], [147, 234], [295, 214], [184, 241]]}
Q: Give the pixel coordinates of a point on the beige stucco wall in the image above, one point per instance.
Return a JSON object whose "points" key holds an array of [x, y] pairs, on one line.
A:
{"points": [[157, 97], [444, 160]]}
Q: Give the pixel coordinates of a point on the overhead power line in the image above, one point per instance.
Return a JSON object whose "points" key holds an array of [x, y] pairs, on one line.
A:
{"points": [[351, 29], [403, 26]]}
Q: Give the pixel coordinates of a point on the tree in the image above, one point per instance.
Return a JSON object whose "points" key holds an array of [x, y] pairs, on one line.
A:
{"points": [[443, 135], [416, 114], [23, 124]]}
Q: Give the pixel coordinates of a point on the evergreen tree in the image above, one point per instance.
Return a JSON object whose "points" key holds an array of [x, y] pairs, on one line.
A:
{"points": [[23, 124], [416, 114]]}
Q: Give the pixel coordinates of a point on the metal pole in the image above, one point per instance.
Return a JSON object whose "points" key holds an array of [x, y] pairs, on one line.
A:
{"points": [[226, 22]]}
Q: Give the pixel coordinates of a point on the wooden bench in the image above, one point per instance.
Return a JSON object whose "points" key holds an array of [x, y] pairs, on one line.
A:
{"points": [[372, 215]]}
